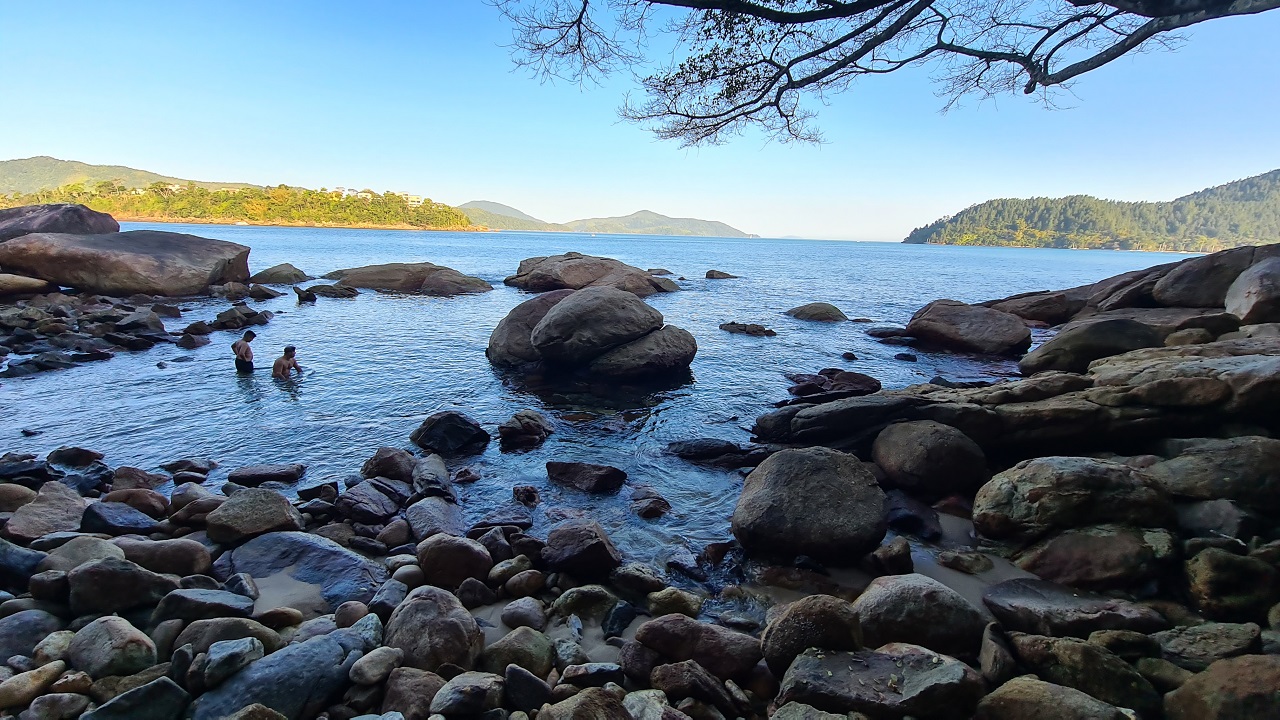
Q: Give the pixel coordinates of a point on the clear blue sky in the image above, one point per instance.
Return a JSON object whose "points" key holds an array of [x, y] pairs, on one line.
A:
{"points": [[423, 97]]}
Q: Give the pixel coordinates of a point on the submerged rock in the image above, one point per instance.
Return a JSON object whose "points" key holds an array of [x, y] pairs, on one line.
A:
{"points": [[818, 312], [282, 274], [450, 434]]}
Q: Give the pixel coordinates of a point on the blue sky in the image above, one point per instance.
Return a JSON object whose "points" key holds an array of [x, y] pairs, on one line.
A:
{"points": [[423, 97]]}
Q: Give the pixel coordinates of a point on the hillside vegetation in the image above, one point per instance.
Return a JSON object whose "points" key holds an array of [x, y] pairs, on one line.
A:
{"points": [[260, 206], [497, 216], [651, 223], [30, 175], [1245, 212]]}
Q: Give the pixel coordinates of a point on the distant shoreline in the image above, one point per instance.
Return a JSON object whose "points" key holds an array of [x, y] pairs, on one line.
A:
{"points": [[335, 226]]}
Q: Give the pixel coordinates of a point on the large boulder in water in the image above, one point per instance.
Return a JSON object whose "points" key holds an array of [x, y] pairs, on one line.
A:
{"points": [[282, 274], [1075, 347], [147, 262], [664, 351], [813, 501], [422, 278], [818, 312], [1255, 296], [591, 322], [58, 218], [969, 328], [575, 271], [307, 572], [509, 345]]}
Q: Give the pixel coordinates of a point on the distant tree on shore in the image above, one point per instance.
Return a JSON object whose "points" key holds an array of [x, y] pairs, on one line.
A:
{"points": [[741, 63], [281, 205]]}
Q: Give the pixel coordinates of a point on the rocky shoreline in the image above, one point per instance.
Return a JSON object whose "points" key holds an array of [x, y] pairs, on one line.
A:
{"points": [[1096, 540]]}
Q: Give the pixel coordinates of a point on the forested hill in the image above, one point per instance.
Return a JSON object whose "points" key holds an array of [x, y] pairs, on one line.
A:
{"points": [[29, 175], [651, 223], [1245, 212]]}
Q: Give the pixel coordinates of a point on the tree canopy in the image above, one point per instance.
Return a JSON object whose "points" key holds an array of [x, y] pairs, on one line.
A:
{"points": [[742, 63], [1245, 212]]}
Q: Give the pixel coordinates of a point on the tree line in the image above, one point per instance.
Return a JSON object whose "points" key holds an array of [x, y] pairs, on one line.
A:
{"points": [[1246, 212], [280, 205]]}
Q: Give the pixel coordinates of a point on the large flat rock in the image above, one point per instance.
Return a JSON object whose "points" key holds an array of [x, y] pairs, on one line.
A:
{"points": [[146, 262]]}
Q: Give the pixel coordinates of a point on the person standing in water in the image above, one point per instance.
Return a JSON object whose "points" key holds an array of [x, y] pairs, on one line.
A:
{"points": [[244, 353], [285, 364]]}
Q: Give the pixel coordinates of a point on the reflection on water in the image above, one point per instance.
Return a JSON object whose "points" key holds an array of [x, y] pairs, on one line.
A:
{"points": [[377, 365]]}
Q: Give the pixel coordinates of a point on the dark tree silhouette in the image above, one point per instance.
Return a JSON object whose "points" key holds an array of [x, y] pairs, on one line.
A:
{"points": [[738, 63]]}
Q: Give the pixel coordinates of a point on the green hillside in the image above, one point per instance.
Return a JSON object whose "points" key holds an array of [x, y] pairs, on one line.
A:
{"points": [[30, 175], [651, 223], [494, 208], [497, 216], [1245, 212]]}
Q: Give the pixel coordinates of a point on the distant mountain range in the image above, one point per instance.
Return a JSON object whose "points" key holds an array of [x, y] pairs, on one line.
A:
{"points": [[646, 222], [31, 175], [1244, 212]]}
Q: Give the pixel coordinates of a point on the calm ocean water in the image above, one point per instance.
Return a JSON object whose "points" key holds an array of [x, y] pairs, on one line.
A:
{"points": [[378, 364]]}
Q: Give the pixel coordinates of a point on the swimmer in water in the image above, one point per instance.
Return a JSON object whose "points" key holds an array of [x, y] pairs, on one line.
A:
{"points": [[244, 353], [285, 364]]}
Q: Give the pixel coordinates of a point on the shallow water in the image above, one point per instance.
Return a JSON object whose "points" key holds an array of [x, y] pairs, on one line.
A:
{"points": [[378, 364]]}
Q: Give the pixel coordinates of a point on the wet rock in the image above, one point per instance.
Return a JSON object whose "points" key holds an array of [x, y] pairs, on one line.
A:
{"points": [[1236, 689], [1027, 697], [524, 647], [586, 476], [22, 631], [1225, 586], [1199, 646], [818, 312], [509, 345], [1089, 668], [1244, 469], [367, 503], [582, 549], [969, 328], [18, 564], [228, 657], [175, 557], [391, 463], [433, 628], [896, 680], [202, 605], [719, 275], [666, 351], [1101, 557], [420, 278], [250, 513], [816, 621], [329, 291], [591, 322], [919, 610], [752, 329], [468, 694], [432, 515], [112, 585], [894, 558], [524, 430], [282, 274], [56, 508], [202, 634], [22, 688], [409, 691], [674, 600], [149, 502], [525, 612], [927, 458], [376, 666], [1036, 496], [524, 690], [113, 518], [297, 681], [576, 271], [447, 560], [111, 646], [254, 475], [1044, 608], [297, 560], [815, 502], [450, 434], [688, 679], [723, 652]]}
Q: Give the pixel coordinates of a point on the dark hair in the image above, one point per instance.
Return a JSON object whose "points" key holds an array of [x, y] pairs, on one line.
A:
{"points": [[249, 334], [289, 349]]}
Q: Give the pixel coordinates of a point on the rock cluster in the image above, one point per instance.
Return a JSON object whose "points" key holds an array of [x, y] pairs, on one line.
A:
{"points": [[600, 331], [574, 271]]}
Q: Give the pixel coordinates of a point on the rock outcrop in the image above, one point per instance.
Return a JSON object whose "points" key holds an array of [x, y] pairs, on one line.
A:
{"points": [[956, 326], [282, 274], [574, 271], [57, 218], [139, 261], [419, 278]]}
